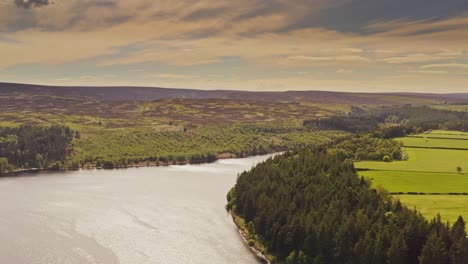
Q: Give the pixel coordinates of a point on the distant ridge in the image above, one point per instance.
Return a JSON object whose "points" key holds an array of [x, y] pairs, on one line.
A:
{"points": [[125, 93]]}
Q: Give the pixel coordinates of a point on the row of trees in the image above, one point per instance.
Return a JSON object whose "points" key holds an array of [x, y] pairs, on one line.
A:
{"points": [[309, 206]]}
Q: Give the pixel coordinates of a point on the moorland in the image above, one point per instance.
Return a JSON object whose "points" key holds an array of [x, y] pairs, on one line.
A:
{"points": [[134, 126], [356, 165]]}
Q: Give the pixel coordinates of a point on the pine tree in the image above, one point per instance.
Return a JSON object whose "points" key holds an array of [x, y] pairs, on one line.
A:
{"points": [[397, 251], [434, 251], [458, 252]]}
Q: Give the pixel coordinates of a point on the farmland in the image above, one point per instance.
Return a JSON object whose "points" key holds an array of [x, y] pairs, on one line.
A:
{"points": [[422, 160], [451, 142], [431, 170], [420, 182], [449, 206]]}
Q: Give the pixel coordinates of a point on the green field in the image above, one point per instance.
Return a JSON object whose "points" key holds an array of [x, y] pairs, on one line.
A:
{"points": [[423, 160], [435, 142], [445, 134], [427, 170], [425, 182], [449, 206]]}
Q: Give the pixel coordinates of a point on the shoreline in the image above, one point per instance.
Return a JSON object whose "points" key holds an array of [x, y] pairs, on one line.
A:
{"points": [[258, 253], [222, 156]]}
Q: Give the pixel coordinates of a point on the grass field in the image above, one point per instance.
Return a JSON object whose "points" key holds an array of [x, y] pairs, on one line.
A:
{"points": [[426, 182], [449, 206], [423, 160], [435, 142], [427, 170], [445, 132]]}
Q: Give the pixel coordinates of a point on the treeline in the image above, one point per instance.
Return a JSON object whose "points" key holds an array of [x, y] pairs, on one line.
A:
{"points": [[34, 147], [413, 119], [423, 117], [309, 206], [368, 147]]}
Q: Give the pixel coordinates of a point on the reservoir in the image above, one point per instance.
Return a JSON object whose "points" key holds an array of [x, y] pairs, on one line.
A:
{"points": [[169, 215]]}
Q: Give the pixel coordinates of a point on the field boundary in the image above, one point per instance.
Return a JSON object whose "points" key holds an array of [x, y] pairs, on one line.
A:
{"points": [[438, 172], [420, 147], [444, 138], [425, 193]]}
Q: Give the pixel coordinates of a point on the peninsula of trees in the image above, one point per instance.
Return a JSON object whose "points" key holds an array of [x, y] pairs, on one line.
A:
{"points": [[310, 206]]}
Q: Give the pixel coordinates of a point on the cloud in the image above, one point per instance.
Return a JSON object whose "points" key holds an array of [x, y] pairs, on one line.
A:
{"points": [[88, 78], [430, 72], [169, 76], [412, 58], [341, 58], [445, 65], [344, 71], [31, 3], [355, 15]]}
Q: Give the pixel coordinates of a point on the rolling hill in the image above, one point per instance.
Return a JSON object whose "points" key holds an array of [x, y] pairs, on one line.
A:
{"points": [[156, 93]]}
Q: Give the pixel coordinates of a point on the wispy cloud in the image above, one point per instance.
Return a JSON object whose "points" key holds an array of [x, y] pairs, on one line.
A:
{"points": [[445, 65], [344, 58], [344, 71], [169, 76], [430, 72]]}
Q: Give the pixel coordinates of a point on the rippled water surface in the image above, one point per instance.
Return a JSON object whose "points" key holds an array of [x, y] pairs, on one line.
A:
{"points": [[143, 215]]}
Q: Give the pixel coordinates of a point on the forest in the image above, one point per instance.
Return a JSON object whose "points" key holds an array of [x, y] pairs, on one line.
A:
{"points": [[195, 145], [34, 147], [414, 119], [309, 206], [59, 147]]}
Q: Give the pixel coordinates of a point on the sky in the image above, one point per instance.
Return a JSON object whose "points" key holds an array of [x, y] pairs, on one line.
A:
{"points": [[274, 45]]}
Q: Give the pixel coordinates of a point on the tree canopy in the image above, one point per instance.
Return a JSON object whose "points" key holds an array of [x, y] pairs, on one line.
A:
{"points": [[34, 146]]}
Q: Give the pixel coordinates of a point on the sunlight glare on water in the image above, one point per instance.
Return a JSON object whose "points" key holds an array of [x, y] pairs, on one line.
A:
{"points": [[142, 215]]}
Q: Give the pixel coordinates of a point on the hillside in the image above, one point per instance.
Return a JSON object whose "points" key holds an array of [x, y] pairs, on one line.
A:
{"points": [[120, 126], [156, 93]]}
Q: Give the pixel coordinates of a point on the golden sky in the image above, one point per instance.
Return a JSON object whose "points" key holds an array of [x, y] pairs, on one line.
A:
{"points": [[343, 45]]}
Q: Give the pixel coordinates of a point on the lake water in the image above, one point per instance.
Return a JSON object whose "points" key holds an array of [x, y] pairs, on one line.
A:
{"points": [[141, 215]]}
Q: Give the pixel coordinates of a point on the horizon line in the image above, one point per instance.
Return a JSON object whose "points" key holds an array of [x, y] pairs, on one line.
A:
{"points": [[226, 90]]}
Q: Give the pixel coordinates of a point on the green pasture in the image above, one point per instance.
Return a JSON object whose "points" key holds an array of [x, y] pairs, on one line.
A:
{"points": [[435, 142], [424, 182], [423, 160], [448, 206], [445, 134]]}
